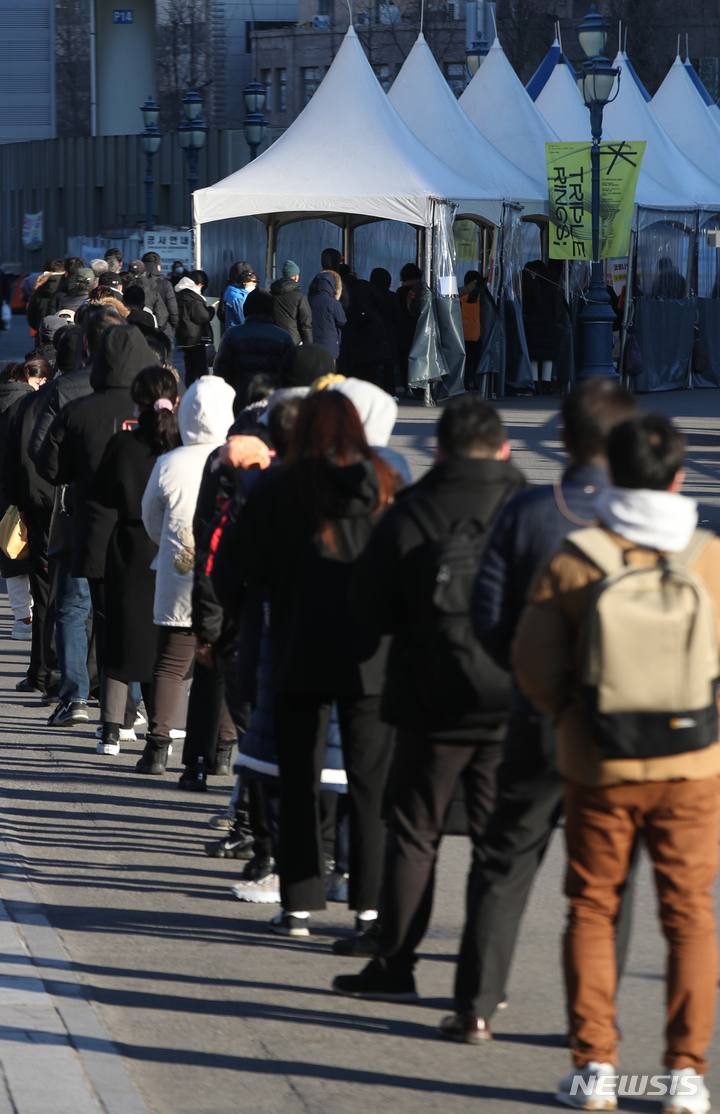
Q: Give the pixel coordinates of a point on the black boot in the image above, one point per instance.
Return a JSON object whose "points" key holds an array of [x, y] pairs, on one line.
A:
{"points": [[194, 779], [237, 844], [223, 758], [154, 757]]}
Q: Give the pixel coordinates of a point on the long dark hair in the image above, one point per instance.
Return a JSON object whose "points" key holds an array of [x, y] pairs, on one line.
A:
{"points": [[160, 427]]}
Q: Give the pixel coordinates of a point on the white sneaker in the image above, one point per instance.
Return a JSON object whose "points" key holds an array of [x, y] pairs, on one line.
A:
{"points": [[107, 748], [264, 891], [589, 1088], [21, 631], [177, 734], [127, 735], [139, 719], [691, 1095]]}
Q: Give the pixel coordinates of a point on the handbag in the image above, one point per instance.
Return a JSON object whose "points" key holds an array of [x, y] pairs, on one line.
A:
{"points": [[13, 535], [60, 534]]}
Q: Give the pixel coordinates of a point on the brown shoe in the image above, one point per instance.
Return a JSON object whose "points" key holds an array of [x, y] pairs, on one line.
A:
{"points": [[465, 1029]]}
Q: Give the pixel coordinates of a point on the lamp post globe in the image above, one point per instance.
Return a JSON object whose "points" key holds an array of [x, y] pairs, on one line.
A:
{"points": [[150, 140], [254, 96], [192, 137], [255, 124], [476, 54]]}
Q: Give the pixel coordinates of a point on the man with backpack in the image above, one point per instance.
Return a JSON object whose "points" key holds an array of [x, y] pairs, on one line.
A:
{"points": [[445, 695], [620, 642]]}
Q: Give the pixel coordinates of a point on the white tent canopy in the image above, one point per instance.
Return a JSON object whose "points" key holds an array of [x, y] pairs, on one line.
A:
{"points": [[563, 108], [500, 107], [684, 115], [426, 103], [348, 152], [629, 117]]}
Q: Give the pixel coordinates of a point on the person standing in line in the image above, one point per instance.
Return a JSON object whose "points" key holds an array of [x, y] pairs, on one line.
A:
{"points": [[410, 276], [538, 306], [291, 310], [113, 258], [328, 315], [448, 700], [194, 317], [389, 310], [251, 348], [177, 272], [46, 296], [619, 642], [164, 287], [470, 294], [241, 280]]}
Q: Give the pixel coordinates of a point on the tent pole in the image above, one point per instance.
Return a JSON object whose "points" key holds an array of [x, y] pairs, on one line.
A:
{"points": [[198, 251], [420, 247], [270, 253], [349, 243]]}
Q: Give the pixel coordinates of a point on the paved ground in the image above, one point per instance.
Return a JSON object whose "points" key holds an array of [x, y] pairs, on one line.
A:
{"points": [[193, 1007]]}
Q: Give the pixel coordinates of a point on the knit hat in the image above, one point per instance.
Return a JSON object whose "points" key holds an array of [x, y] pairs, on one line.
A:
{"points": [[137, 267], [258, 301], [290, 269], [50, 325], [66, 348], [302, 365]]}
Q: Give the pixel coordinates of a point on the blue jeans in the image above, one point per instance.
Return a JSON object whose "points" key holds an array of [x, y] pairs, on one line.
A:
{"points": [[72, 607]]}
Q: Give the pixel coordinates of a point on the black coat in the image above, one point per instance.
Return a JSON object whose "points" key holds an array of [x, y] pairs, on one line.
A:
{"points": [[407, 322], [153, 280], [22, 484], [210, 621], [389, 310], [11, 394], [194, 315], [328, 316], [119, 485], [248, 349], [66, 388], [538, 311], [45, 300], [368, 342], [154, 303], [385, 595], [291, 310], [76, 440], [319, 646]]}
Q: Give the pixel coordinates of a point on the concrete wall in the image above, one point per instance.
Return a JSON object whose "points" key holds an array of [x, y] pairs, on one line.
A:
{"points": [[124, 64], [27, 73]]}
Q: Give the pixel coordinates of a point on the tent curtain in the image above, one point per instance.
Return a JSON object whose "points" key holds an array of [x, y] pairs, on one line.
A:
{"points": [[706, 352], [665, 332]]}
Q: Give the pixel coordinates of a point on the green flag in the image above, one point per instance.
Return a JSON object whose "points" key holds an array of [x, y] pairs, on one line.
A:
{"points": [[570, 197]]}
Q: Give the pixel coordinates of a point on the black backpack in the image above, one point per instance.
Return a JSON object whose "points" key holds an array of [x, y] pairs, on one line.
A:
{"points": [[461, 677]]}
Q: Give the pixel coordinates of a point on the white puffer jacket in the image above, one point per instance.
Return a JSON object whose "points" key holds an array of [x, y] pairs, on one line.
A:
{"points": [[204, 417]]}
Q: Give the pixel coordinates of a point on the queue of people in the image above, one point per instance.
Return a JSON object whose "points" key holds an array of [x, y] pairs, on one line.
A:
{"points": [[367, 645]]}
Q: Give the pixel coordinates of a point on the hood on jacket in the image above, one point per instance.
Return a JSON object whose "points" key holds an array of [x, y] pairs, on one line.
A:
{"points": [[115, 303], [121, 354], [284, 286], [187, 283], [67, 349], [377, 409], [327, 282], [11, 392], [206, 411], [655, 519]]}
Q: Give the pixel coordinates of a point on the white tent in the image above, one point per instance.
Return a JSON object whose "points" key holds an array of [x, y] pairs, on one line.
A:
{"points": [[348, 152], [684, 115], [629, 117], [500, 107], [562, 106], [705, 96], [426, 103]]}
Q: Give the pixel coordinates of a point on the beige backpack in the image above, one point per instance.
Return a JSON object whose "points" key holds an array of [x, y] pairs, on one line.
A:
{"points": [[649, 652]]}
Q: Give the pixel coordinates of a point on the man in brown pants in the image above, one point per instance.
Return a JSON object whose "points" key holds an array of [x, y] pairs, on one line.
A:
{"points": [[634, 766]]}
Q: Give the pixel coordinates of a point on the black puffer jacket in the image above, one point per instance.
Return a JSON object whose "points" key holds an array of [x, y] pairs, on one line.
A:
{"points": [[291, 310], [165, 289], [368, 340], [247, 349], [76, 384], [21, 483], [154, 302], [76, 441], [194, 315], [11, 393], [45, 299]]}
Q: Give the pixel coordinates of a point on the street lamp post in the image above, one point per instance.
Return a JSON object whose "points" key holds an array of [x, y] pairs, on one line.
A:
{"points": [[596, 85], [255, 124], [192, 137], [476, 54], [150, 140]]}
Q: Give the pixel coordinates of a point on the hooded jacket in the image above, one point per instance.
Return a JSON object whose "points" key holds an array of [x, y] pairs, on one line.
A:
{"points": [[21, 483], [168, 506], [291, 310], [233, 301], [45, 298], [246, 350], [76, 440], [328, 316], [153, 280], [193, 314]]}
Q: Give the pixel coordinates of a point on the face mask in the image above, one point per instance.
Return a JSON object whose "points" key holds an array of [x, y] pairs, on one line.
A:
{"points": [[178, 270]]}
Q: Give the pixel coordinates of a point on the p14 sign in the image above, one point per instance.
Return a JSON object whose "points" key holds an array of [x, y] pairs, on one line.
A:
{"points": [[122, 15]]}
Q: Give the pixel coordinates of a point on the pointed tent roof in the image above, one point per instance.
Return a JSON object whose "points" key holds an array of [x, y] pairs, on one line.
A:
{"points": [[542, 74], [499, 106], [562, 106], [683, 114], [630, 117], [347, 152], [629, 68], [707, 99], [426, 103]]}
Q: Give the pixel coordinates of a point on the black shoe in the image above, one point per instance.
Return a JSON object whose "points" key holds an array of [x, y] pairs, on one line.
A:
{"points": [[48, 699], [223, 760], [26, 685], [378, 984], [194, 778], [287, 924], [235, 845], [366, 944], [154, 757], [258, 868], [69, 712]]}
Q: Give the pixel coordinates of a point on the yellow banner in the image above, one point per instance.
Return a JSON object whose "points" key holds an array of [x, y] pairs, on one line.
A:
{"points": [[570, 197]]}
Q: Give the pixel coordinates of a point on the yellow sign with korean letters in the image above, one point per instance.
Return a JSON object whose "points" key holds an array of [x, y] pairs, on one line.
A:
{"points": [[570, 197]]}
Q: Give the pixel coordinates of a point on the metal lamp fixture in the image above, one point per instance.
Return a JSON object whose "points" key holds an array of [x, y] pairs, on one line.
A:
{"points": [[596, 86], [255, 125], [476, 54], [192, 137], [150, 140], [254, 95], [192, 105]]}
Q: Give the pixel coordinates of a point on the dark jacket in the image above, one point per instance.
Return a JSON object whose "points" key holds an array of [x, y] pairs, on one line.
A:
{"points": [[193, 316], [528, 530], [392, 592], [155, 281], [76, 440], [21, 483], [66, 388], [210, 621], [11, 393], [143, 320], [71, 303], [407, 322], [245, 350], [368, 341], [389, 310], [319, 646], [154, 302], [538, 311], [328, 316], [44, 300], [291, 310], [119, 485]]}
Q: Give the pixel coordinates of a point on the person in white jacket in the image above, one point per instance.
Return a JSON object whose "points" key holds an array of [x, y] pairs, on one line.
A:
{"points": [[168, 507]]}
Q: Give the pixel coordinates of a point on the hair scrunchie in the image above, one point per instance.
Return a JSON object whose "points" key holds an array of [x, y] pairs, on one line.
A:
{"points": [[162, 404]]}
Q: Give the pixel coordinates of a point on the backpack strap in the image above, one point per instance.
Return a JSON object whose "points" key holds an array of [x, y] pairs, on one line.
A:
{"points": [[697, 545], [596, 544]]}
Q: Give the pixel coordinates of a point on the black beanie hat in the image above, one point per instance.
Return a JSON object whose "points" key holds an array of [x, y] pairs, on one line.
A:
{"points": [[66, 348], [331, 259], [301, 366], [258, 301]]}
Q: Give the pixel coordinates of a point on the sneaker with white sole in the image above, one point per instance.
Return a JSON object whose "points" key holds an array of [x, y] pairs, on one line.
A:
{"points": [[139, 719], [127, 734], [222, 823], [21, 631], [110, 746], [691, 1096], [174, 734], [263, 891], [288, 924], [592, 1087], [68, 713]]}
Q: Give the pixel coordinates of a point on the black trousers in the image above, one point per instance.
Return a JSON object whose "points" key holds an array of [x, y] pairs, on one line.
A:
{"points": [[301, 724], [208, 718], [425, 774], [195, 362], [44, 668], [529, 804]]}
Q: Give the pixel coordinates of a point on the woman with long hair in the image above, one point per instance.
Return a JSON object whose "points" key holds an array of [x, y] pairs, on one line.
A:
{"points": [[302, 529], [119, 483]]}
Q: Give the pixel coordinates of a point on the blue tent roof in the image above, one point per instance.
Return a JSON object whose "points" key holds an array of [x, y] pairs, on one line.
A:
{"points": [[627, 65], [698, 83], [540, 78]]}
